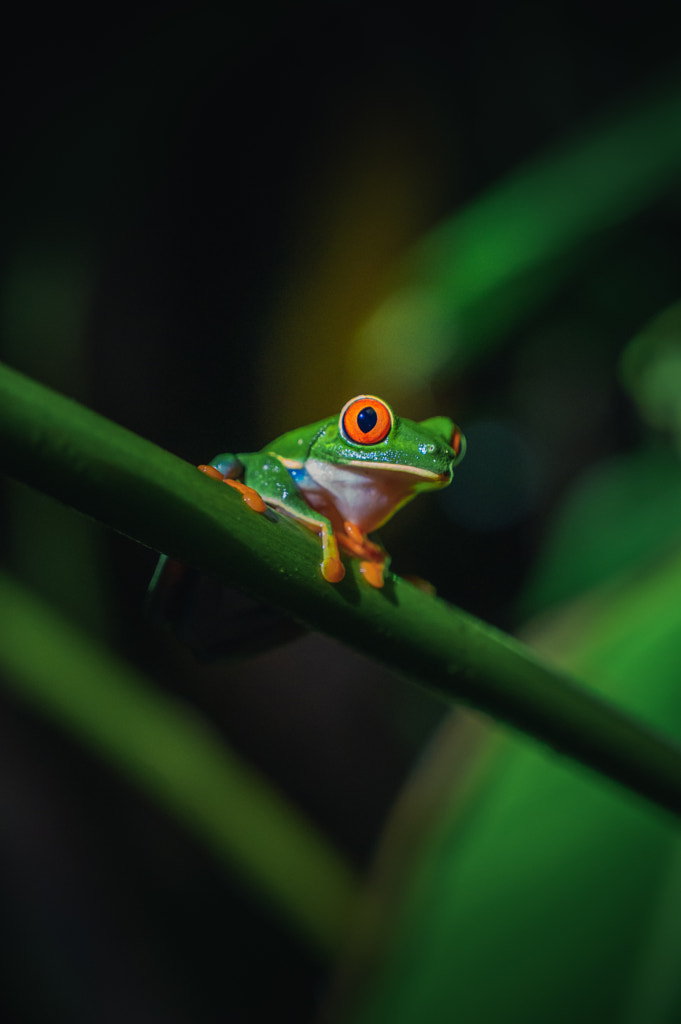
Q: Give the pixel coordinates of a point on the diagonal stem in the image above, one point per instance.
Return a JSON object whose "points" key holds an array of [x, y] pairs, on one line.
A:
{"points": [[107, 472]]}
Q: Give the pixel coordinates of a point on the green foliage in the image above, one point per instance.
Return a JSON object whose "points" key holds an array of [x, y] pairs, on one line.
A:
{"points": [[465, 906], [143, 491], [621, 514], [564, 891], [180, 762], [475, 276], [651, 371], [537, 896], [538, 891]]}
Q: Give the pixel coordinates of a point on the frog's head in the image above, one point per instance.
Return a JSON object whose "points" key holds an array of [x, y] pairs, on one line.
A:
{"points": [[369, 435]]}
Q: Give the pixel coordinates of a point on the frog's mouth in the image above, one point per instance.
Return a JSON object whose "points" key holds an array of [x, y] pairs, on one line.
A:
{"points": [[395, 467]]}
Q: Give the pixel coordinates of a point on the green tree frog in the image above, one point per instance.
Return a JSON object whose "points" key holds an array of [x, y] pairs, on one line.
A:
{"points": [[345, 476]]}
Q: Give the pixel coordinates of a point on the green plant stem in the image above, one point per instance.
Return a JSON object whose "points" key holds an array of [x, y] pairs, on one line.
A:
{"points": [[109, 473]]}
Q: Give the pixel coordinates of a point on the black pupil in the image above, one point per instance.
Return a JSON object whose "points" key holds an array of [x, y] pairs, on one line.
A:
{"points": [[367, 419]]}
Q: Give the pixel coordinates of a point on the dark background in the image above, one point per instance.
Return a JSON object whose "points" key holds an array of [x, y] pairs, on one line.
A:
{"points": [[200, 207]]}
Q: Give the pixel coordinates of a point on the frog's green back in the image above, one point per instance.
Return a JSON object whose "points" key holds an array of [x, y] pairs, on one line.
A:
{"points": [[296, 444]]}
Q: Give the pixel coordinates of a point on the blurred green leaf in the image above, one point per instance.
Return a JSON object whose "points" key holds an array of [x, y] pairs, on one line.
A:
{"points": [[619, 515], [545, 898], [179, 761], [650, 369], [476, 275]]}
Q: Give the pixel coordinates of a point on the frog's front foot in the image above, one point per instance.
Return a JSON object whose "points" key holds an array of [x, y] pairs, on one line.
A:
{"points": [[373, 558], [357, 543], [251, 497]]}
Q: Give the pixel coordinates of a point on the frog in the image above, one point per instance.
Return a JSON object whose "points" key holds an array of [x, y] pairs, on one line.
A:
{"points": [[345, 476]]}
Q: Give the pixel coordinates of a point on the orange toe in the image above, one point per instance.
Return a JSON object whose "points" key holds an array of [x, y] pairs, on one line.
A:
{"points": [[212, 472], [251, 497], [373, 573], [333, 570]]}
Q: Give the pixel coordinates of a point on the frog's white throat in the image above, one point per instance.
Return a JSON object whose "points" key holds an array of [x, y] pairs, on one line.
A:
{"points": [[364, 493]]}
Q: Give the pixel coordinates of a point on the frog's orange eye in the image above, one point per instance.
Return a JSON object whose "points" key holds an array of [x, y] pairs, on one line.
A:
{"points": [[365, 420], [455, 442]]}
